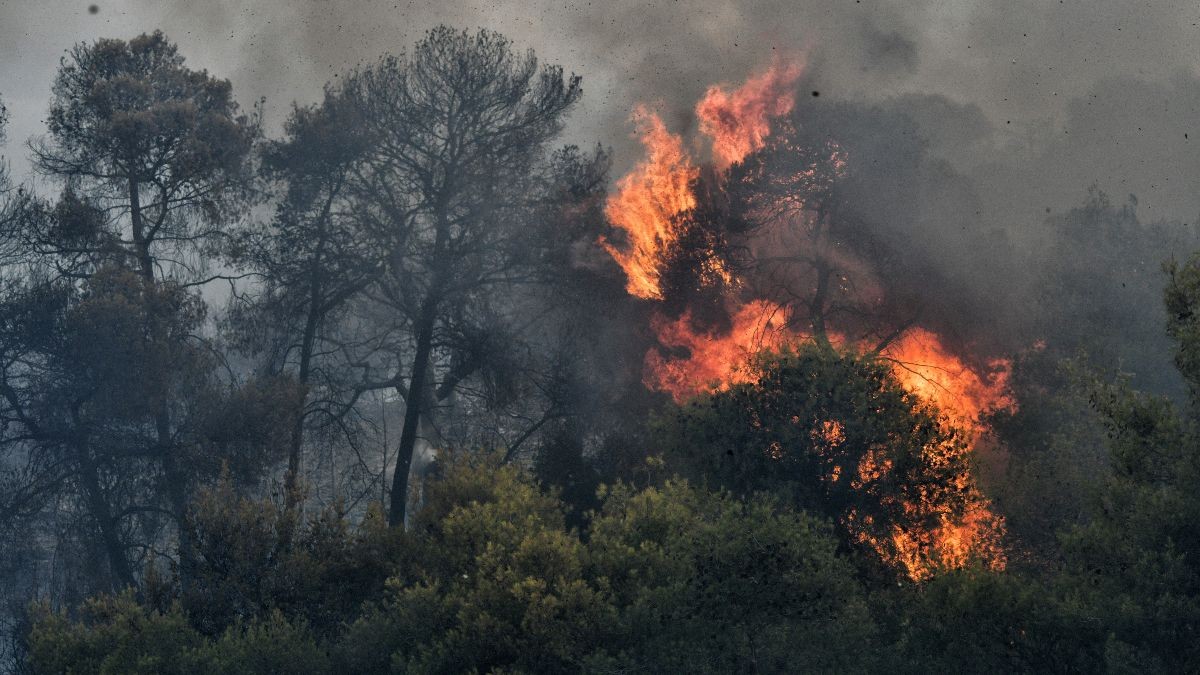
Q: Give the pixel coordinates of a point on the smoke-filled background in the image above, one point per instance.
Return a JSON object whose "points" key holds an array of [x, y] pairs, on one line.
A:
{"points": [[1031, 97], [890, 263], [985, 124]]}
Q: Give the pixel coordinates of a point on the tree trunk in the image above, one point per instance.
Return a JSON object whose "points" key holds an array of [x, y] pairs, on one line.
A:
{"points": [[412, 416], [824, 271], [138, 228], [292, 479], [311, 322], [420, 370], [177, 491], [113, 547], [176, 481]]}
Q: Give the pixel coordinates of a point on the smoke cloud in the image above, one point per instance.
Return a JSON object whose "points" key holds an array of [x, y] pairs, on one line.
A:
{"points": [[1088, 71], [1001, 114]]}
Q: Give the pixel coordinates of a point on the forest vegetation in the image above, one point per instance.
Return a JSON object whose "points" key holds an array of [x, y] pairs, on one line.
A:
{"points": [[403, 387]]}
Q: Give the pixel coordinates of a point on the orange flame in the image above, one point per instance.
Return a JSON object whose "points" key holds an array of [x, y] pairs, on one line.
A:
{"points": [[926, 368], [738, 121], [647, 202], [923, 365], [954, 542], [714, 361], [919, 359]]}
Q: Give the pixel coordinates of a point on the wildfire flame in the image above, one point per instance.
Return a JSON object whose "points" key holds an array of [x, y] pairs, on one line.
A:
{"points": [[738, 121], [918, 358], [713, 362], [650, 199], [647, 206], [926, 368], [953, 542], [647, 202], [923, 365]]}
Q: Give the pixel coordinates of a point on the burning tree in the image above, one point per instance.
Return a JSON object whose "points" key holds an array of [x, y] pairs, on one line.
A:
{"points": [[838, 434], [755, 252]]}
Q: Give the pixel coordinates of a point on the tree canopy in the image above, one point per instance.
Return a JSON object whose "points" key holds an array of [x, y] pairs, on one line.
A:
{"points": [[366, 393]]}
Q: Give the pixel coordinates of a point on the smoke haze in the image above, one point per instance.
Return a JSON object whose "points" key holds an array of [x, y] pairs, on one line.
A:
{"points": [[1001, 114], [1116, 80]]}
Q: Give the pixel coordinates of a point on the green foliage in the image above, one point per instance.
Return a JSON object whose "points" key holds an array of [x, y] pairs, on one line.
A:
{"points": [[500, 585], [706, 583], [251, 559], [669, 580], [1052, 458], [490, 580], [272, 645], [114, 635], [975, 621], [1183, 321], [1135, 566]]}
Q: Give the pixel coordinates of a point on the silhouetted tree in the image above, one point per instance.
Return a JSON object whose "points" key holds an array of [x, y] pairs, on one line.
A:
{"points": [[311, 261], [108, 388], [459, 130]]}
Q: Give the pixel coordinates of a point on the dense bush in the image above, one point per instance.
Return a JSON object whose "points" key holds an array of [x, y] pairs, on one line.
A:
{"points": [[490, 580]]}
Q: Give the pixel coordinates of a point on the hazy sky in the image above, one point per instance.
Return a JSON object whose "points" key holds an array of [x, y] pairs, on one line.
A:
{"points": [[1121, 75]]}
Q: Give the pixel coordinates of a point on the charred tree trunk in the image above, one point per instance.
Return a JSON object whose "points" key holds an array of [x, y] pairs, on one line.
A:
{"points": [[296, 443], [412, 415], [415, 396], [312, 321], [141, 244]]}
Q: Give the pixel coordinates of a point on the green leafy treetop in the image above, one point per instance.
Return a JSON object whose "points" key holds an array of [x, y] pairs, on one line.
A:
{"points": [[489, 579]]}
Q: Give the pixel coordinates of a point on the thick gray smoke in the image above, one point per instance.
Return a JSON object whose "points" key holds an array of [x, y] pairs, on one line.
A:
{"points": [[1018, 107], [1067, 93]]}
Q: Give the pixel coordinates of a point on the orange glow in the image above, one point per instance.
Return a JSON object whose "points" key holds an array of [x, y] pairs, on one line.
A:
{"points": [[922, 364], [952, 543], [738, 121], [831, 432], [872, 467], [714, 361], [926, 368], [646, 204]]}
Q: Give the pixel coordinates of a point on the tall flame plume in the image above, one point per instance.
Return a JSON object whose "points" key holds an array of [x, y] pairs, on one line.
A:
{"points": [[646, 203], [739, 121]]}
